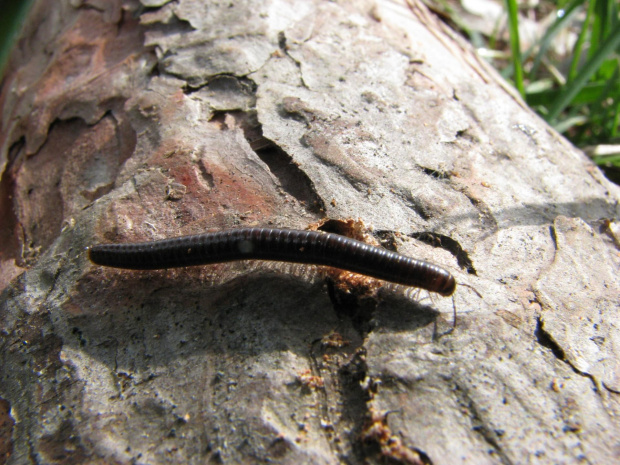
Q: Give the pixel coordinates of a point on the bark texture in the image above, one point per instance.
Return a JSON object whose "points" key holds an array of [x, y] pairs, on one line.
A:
{"points": [[126, 122]]}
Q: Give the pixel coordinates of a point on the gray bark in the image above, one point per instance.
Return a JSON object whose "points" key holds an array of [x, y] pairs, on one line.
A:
{"points": [[125, 124]]}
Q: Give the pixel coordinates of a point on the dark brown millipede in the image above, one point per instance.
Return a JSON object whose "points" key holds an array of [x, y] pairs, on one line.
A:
{"points": [[285, 245]]}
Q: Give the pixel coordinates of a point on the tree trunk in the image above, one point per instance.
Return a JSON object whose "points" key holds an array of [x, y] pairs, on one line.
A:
{"points": [[122, 123]]}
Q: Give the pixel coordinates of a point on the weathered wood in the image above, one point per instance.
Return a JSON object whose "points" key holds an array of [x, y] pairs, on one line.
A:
{"points": [[127, 124]]}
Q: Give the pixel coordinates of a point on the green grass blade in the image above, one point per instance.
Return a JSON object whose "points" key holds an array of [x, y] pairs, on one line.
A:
{"points": [[513, 26], [593, 92], [581, 39], [543, 44], [12, 14], [605, 51], [615, 123]]}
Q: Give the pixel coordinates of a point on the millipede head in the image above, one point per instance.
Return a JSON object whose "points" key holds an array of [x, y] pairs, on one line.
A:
{"points": [[448, 286]]}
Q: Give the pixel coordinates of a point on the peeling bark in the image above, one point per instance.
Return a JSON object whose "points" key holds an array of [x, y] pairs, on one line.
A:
{"points": [[123, 123]]}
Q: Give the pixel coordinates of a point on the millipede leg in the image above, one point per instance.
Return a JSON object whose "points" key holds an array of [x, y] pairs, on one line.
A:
{"points": [[451, 330], [454, 314]]}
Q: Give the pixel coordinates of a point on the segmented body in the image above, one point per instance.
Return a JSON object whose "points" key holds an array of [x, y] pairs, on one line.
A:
{"points": [[286, 245]]}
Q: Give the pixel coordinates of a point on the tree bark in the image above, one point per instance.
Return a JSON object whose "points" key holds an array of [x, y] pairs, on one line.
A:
{"points": [[122, 123]]}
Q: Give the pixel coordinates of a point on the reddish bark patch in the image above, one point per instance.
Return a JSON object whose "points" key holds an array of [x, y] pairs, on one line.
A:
{"points": [[6, 431], [78, 164], [63, 446], [9, 232]]}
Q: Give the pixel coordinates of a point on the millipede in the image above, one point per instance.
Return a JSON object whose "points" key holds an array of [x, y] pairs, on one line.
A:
{"points": [[284, 245]]}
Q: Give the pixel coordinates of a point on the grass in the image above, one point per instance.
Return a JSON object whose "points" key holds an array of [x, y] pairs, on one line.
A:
{"points": [[580, 97], [12, 14]]}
